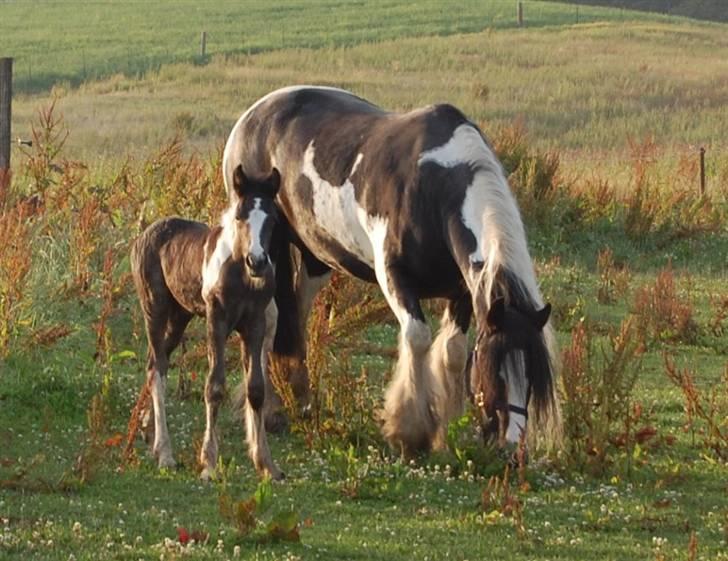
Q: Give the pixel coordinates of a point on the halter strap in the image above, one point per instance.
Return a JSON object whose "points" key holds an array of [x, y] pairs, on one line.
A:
{"points": [[519, 410]]}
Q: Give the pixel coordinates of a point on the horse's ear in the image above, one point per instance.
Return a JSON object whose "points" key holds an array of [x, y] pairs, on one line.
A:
{"points": [[239, 180], [542, 316], [496, 315], [275, 181]]}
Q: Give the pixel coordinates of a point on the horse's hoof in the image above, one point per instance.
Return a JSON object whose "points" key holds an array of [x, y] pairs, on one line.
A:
{"points": [[276, 475], [207, 475], [166, 462]]}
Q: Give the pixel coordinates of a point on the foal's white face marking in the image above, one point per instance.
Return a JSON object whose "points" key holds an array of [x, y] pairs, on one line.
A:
{"points": [[256, 220], [336, 209]]}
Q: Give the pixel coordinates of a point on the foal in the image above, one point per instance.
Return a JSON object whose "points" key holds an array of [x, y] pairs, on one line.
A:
{"points": [[183, 268]]}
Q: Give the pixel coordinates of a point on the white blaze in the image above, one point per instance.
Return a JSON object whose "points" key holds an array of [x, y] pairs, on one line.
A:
{"points": [[517, 395], [256, 220]]}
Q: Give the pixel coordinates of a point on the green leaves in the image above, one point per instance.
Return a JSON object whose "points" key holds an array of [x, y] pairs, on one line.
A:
{"points": [[255, 516]]}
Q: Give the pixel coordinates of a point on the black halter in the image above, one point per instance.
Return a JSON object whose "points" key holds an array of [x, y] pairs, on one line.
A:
{"points": [[500, 405]]}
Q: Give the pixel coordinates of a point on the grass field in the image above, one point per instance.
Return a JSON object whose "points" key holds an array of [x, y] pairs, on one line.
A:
{"points": [[79, 40], [615, 227]]}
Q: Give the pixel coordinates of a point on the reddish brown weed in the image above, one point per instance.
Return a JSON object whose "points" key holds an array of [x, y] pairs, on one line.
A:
{"points": [[614, 278], [598, 384], [662, 314], [705, 407]]}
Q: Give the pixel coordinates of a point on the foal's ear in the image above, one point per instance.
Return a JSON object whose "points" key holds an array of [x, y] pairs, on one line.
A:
{"points": [[496, 315], [541, 316], [274, 181], [239, 181]]}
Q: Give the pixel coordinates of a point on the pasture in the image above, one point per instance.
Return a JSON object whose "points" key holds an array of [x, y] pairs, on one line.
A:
{"points": [[598, 125]]}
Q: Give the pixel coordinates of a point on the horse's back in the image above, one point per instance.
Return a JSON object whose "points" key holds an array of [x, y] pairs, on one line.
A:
{"points": [[346, 163], [168, 255]]}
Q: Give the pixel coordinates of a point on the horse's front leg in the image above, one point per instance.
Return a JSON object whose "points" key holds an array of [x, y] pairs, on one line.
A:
{"points": [[257, 389], [217, 331], [409, 418], [448, 357]]}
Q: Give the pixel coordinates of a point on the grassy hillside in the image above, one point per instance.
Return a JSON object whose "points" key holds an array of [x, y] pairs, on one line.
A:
{"points": [[714, 10], [586, 90], [78, 40]]}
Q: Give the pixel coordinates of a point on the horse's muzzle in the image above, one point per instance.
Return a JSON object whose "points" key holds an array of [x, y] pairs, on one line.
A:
{"points": [[257, 264]]}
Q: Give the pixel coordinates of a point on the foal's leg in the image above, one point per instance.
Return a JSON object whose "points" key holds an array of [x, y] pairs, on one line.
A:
{"points": [[448, 357], [272, 403], [252, 337], [217, 331], [157, 366], [409, 417], [178, 319]]}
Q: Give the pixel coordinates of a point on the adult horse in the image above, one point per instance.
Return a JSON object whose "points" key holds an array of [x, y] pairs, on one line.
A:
{"points": [[418, 203]]}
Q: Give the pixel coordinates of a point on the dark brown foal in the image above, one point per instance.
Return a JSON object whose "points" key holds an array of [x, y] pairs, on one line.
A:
{"points": [[183, 268]]}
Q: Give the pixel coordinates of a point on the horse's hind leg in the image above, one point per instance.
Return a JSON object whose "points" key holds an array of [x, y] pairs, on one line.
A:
{"points": [[448, 357], [299, 277], [409, 415], [157, 366], [177, 320], [252, 346]]}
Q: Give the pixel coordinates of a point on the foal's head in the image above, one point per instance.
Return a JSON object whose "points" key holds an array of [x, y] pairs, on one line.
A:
{"points": [[255, 217], [510, 366]]}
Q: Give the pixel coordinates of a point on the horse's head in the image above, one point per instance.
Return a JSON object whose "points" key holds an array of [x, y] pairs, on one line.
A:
{"points": [[510, 365], [255, 217]]}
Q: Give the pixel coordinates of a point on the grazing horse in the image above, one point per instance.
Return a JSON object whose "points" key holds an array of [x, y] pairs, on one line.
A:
{"points": [[418, 203], [183, 268]]}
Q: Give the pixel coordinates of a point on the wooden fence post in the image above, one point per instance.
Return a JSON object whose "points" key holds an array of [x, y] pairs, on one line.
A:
{"points": [[6, 96], [519, 13], [702, 171], [203, 44]]}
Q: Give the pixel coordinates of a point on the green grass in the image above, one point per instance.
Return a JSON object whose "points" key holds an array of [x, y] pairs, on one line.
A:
{"points": [[583, 90], [77, 40]]}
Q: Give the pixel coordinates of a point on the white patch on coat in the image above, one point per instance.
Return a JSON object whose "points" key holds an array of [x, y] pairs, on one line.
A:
{"points": [[256, 221], [212, 265], [236, 141], [489, 211], [336, 209]]}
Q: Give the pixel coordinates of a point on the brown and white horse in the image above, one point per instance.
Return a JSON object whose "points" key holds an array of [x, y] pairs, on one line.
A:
{"points": [[418, 203], [183, 268]]}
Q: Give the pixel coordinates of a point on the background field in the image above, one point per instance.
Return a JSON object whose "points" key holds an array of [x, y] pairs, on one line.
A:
{"points": [[598, 124]]}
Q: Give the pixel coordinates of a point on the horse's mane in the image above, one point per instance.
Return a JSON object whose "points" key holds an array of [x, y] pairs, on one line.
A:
{"points": [[507, 272]]}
